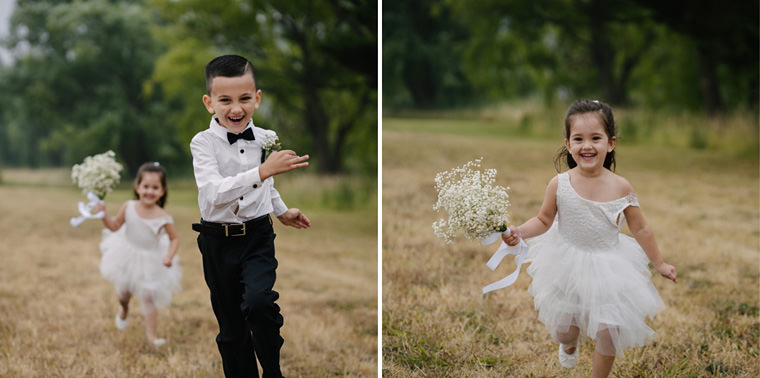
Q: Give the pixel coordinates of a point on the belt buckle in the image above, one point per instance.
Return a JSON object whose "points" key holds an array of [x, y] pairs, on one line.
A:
{"points": [[227, 230]]}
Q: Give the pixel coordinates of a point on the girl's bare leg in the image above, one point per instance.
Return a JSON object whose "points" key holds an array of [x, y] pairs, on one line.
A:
{"points": [[124, 301], [570, 338], [602, 364], [151, 321], [151, 317]]}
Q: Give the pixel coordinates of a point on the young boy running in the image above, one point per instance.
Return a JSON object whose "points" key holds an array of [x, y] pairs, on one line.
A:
{"points": [[236, 193]]}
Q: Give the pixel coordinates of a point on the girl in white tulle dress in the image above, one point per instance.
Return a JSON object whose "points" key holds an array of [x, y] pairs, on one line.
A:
{"points": [[139, 250], [589, 280]]}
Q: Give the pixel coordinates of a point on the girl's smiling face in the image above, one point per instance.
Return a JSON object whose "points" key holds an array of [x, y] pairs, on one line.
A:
{"points": [[233, 100], [149, 190], [588, 143]]}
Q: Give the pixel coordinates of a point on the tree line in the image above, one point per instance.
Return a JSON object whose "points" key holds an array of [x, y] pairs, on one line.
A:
{"points": [[683, 55], [93, 75]]}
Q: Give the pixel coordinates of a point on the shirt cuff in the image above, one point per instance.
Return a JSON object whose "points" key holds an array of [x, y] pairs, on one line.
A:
{"points": [[256, 178], [278, 206]]}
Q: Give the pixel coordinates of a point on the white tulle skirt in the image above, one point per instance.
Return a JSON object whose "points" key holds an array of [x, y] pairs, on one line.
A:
{"points": [[138, 271], [602, 292]]}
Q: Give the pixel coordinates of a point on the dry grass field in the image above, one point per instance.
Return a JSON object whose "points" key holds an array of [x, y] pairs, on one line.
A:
{"points": [[702, 206], [56, 311]]}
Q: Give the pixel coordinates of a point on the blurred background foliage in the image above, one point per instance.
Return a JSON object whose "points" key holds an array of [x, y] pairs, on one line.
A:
{"points": [[91, 75], [696, 56]]}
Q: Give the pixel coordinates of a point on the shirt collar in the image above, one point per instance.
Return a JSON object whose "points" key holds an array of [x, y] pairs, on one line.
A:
{"points": [[222, 131]]}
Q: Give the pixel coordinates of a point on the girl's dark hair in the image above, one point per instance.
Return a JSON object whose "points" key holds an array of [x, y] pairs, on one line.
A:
{"points": [[152, 167], [228, 66], [608, 121]]}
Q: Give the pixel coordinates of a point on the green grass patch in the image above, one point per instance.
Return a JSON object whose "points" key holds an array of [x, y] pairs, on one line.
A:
{"points": [[463, 127], [491, 361], [423, 353], [339, 192]]}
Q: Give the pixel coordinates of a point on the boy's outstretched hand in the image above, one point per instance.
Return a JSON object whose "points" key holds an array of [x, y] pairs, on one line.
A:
{"points": [[294, 218], [281, 162]]}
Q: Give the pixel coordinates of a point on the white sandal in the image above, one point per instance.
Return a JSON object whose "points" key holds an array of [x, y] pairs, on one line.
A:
{"points": [[121, 323], [567, 360]]}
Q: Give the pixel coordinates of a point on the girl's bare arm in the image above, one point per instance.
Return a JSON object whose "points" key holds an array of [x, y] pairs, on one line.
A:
{"points": [[645, 237], [540, 223], [173, 243], [113, 223]]}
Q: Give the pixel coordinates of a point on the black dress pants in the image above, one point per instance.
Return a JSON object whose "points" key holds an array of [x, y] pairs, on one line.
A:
{"points": [[240, 274]]}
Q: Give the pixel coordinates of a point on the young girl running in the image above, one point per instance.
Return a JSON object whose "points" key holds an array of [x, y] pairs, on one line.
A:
{"points": [[140, 258], [589, 280]]}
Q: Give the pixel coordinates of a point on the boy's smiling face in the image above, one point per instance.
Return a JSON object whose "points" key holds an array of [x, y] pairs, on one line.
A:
{"points": [[233, 100]]}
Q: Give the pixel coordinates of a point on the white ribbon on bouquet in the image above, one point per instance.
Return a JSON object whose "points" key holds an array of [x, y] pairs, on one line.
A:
{"points": [[86, 210], [521, 252]]}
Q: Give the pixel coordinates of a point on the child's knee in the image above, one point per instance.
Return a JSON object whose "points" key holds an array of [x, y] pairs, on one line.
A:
{"points": [[124, 297], [605, 342], [568, 337], [258, 301]]}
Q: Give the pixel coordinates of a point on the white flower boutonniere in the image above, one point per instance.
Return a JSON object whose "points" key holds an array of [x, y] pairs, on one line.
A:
{"points": [[270, 142]]}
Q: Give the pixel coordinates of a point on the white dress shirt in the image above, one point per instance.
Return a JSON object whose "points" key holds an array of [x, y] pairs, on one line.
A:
{"points": [[230, 189]]}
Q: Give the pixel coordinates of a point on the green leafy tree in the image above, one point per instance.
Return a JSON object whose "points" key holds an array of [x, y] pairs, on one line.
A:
{"points": [[584, 46], [316, 63], [678, 54], [724, 42], [76, 85], [422, 47]]}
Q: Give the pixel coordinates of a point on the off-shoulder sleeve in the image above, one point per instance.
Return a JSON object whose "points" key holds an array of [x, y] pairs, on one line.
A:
{"points": [[631, 200], [158, 223], [617, 217]]}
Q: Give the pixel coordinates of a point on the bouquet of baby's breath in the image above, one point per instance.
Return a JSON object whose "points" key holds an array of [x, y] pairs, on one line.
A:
{"points": [[477, 208], [98, 174]]}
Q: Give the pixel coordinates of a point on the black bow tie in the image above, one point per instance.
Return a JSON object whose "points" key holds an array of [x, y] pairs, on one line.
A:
{"points": [[247, 135]]}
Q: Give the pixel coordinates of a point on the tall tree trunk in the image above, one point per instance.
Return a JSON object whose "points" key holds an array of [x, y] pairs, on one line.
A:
{"points": [[419, 75], [708, 81], [316, 118], [314, 115], [317, 121], [603, 55]]}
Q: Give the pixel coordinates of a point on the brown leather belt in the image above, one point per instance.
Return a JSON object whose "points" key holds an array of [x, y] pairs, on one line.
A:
{"points": [[228, 230]]}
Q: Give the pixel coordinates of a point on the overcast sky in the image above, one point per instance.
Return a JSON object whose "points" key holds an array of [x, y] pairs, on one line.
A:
{"points": [[6, 9]]}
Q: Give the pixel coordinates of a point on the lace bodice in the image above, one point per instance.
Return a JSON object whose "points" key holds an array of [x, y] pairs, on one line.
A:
{"points": [[589, 225], [143, 233]]}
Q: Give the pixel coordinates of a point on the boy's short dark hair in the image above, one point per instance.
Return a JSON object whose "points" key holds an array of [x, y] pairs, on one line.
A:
{"points": [[228, 66]]}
